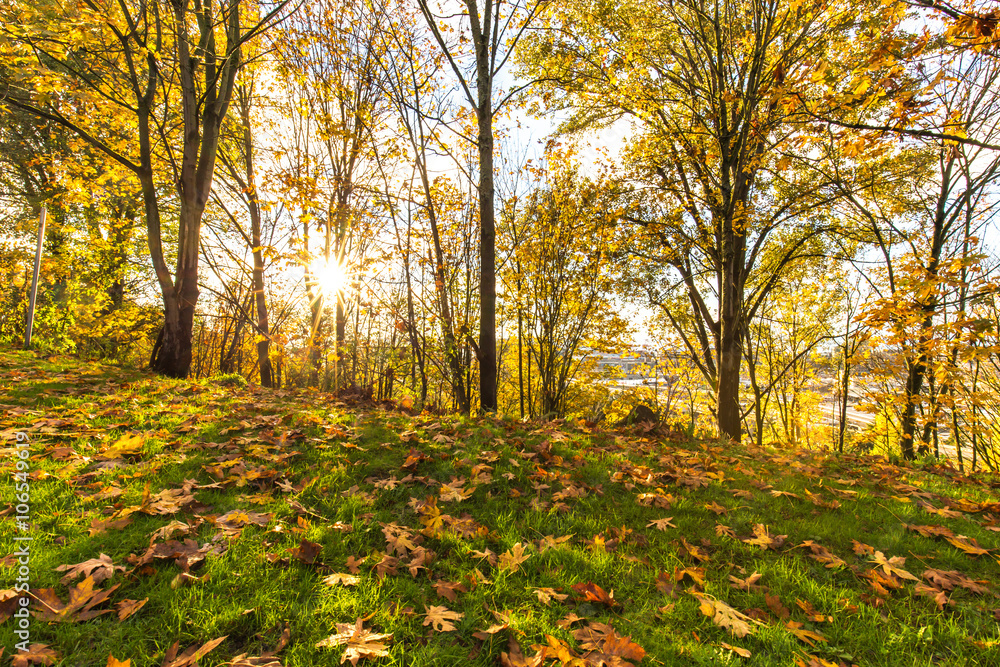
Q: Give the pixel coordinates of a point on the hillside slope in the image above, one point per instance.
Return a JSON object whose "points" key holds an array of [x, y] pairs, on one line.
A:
{"points": [[178, 521]]}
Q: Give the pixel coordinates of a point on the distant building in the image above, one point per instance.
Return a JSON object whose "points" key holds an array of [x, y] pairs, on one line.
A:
{"points": [[638, 362]]}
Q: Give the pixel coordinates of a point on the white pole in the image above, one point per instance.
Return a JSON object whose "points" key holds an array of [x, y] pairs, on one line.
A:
{"points": [[34, 278]]}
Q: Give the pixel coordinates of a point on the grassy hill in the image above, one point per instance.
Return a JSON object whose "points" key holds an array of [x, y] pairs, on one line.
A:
{"points": [[183, 521]]}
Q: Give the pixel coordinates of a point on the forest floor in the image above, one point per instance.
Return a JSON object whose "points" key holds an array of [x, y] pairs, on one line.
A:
{"points": [[176, 522]]}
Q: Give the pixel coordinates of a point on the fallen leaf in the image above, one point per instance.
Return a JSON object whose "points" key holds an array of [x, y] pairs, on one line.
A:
{"points": [[591, 592], [742, 652], [100, 569], [737, 623], [37, 654], [82, 599], [547, 595], [128, 607], [780, 611], [361, 643], [192, 655], [440, 618], [306, 551], [892, 566], [339, 578], [661, 524], [803, 634], [511, 560]]}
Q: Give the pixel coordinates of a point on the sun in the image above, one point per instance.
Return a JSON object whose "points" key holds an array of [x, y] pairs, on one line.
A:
{"points": [[330, 277]]}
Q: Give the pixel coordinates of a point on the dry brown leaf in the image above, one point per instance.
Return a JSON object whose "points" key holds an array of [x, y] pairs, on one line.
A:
{"points": [[591, 592], [37, 654], [100, 569], [661, 524], [892, 566], [737, 623], [192, 655], [128, 607], [547, 595], [440, 618], [511, 560], [361, 643], [803, 634], [341, 579], [82, 599], [742, 652]]}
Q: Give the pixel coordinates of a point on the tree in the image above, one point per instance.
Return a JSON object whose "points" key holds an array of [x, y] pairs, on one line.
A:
{"points": [[561, 270], [495, 27], [925, 247], [722, 197], [330, 55], [137, 62]]}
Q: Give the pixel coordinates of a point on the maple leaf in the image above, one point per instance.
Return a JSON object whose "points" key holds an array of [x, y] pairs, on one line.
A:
{"points": [[967, 544], [665, 584], [862, 549], [512, 559], [97, 526], [453, 491], [386, 566], [449, 590], [170, 531], [939, 597], [82, 599], [341, 579], [689, 550], [514, 657], [266, 659], [354, 564], [822, 555], [737, 623], [930, 531], [892, 566], [37, 654], [801, 633], [742, 652], [764, 539], [420, 558], [717, 508], [721, 530], [591, 592], [780, 611], [127, 447], [559, 650], [949, 579], [100, 568], [128, 607], [440, 618], [749, 584], [607, 647], [547, 595], [661, 524], [695, 574], [115, 662], [553, 542], [306, 551], [811, 613], [361, 643], [192, 655]]}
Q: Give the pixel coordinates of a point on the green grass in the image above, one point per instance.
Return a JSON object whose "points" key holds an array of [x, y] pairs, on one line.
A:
{"points": [[333, 474]]}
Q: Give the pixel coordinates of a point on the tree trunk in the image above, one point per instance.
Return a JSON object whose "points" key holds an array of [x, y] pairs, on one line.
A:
{"points": [[487, 353]]}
